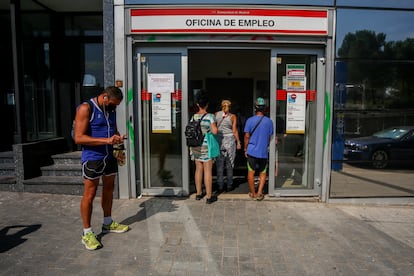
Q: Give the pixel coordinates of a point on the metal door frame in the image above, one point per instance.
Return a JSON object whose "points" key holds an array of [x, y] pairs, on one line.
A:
{"points": [[274, 52], [169, 191], [320, 85]]}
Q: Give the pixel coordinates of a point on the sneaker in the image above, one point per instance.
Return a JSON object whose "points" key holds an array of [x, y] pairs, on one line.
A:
{"points": [[90, 241], [114, 227]]}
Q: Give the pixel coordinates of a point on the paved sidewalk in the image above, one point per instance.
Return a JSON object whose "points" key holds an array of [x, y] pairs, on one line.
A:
{"points": [[40, 235]]}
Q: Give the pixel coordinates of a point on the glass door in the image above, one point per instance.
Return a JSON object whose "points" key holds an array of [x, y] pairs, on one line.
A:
{"points": [[297, 143], [161, 129]]}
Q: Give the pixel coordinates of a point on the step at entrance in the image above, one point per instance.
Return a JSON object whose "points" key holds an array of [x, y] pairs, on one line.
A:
{"points": [[64, 176], [7, 168]]}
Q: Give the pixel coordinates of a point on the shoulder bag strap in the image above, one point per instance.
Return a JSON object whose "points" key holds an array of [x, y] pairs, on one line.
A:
{"points": [[203, 117], [258, 123]]}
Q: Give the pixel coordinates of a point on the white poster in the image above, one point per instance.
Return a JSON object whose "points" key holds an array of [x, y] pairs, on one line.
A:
{"points": [[161, 113], [160, 83], [295, 77], [295, 112], [161, 86]]}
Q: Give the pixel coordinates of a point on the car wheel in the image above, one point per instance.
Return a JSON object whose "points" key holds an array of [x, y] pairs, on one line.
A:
{"points": [[379, 159]]}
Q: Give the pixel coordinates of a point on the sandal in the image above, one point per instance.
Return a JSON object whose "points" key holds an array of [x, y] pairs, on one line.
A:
{"points": [[251, 196], [260, 197]]}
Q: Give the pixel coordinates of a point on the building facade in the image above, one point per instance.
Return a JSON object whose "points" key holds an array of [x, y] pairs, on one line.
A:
{"points": [[331, 73]]}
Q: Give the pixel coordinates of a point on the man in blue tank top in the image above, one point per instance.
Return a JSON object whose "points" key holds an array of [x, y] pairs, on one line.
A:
{"points": [[258, 132], [96, 131]]}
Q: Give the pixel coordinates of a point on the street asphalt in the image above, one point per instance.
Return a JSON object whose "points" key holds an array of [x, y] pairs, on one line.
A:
{"points": [[41, 235]]}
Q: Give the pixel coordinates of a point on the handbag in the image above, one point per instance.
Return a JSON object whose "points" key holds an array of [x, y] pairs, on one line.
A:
{"points": [[212, 145]]}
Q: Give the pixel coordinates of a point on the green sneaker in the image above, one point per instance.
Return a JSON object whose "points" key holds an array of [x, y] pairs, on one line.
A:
{"points": [[114, 227], [90, 241]]}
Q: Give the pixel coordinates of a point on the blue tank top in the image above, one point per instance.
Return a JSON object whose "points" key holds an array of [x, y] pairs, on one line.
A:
{"points": [[101, 125]]}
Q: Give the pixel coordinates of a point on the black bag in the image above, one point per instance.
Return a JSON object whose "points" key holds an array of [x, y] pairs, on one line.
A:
{"points": [[193, 133]]}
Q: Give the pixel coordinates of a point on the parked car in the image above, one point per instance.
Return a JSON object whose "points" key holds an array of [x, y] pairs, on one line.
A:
{"points": [[383, 147]]}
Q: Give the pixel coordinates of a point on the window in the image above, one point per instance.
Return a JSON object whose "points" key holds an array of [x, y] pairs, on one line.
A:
{"points": [[374, 91]]}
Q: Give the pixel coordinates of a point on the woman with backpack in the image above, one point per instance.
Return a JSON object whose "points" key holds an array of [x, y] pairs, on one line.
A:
{"points": [[203, 164]]}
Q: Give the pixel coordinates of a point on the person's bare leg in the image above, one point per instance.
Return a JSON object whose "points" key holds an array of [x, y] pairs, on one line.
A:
{"points": [[208, 177], [262, 181], [107, 194], [86, 206], [198, 178], [250, 180]]}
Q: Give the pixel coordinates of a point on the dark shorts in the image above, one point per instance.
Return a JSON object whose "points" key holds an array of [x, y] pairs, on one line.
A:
{"points": [[259, 164], [96, 168]]}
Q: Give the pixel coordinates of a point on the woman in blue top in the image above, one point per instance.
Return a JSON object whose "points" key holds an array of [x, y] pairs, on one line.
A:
{"points": [[204, 164]]}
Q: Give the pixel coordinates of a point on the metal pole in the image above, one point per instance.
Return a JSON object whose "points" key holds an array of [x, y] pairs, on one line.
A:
{"points": [[15, 18], [145, 125]]}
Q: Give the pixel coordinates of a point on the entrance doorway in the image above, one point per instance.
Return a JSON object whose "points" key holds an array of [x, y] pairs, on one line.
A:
{"points": [[236, 75], [290, 80], [240, 92]]}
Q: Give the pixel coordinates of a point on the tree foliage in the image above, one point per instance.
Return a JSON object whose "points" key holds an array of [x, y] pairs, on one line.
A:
{"points": [[380, 67]]}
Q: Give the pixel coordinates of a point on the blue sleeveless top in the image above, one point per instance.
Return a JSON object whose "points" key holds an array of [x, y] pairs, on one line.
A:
{"points": [[100, 126]]}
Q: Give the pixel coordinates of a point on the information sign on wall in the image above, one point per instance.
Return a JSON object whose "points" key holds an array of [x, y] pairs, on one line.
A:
{"points": [[229, 20], [161, 86], [295, 77], [296, 98], [295, 112]]}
